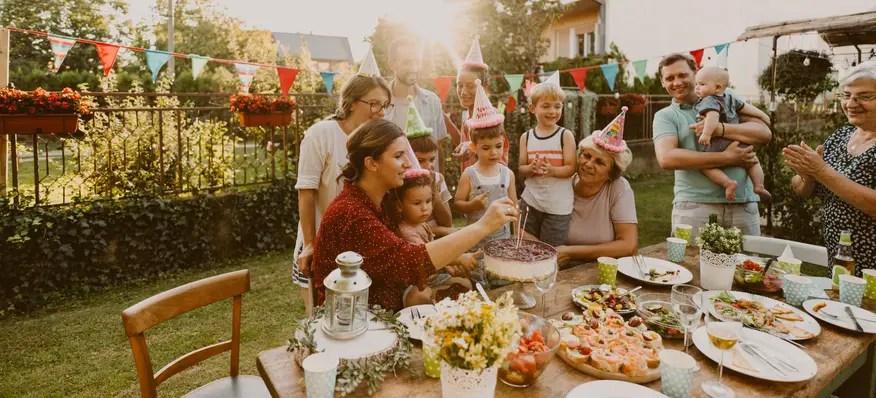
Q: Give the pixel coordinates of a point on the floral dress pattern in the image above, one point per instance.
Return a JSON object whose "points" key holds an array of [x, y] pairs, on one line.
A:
{"points": [[839, 215]]}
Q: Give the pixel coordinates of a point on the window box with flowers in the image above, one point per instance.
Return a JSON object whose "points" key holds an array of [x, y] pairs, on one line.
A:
{"points": [[41, 111], [260, 111]]}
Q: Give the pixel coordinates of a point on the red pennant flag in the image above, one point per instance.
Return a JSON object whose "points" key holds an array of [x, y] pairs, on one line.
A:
{"points": [[511, 104], [698, 56], [580, 76], [442, 86], [287, 78], [107, 54]]}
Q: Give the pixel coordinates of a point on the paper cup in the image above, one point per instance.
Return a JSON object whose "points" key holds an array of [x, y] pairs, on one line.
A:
{"points": [[675, 249], [320, 374], [677, 371], [789, 265], [870, 278], [851, 289], [796, 289], [431, 360], [607, 267], [683, 231]]}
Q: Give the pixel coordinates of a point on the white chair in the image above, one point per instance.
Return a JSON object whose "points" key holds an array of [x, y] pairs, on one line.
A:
{"points": [[774, 247]]}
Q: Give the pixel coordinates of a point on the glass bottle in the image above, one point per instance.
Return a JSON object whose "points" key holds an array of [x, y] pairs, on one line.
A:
{"points": [[843, 255]]}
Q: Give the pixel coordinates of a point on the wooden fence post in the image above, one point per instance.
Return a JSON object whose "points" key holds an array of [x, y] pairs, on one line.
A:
{"points": [[4, 81]]}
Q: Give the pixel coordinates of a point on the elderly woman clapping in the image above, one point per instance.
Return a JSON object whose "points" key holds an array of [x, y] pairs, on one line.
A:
{"points": [[604, 216], [843, 170]]}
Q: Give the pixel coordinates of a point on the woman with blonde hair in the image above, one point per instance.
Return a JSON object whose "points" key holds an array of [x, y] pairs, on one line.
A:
{"points": [[323, 154]]}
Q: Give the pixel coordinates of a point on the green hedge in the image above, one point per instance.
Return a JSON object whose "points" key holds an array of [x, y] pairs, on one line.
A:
{"points": [[47, 253]]}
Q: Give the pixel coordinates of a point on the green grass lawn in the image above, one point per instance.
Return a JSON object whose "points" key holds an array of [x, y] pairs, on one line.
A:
{"points": [[79, 349]]}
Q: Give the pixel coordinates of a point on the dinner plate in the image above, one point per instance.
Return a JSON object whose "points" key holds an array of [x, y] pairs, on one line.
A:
{"points": [[627, 266], [612, 389], [620, 290], [772, 347], [407, 316], [839, 310], [808, 323]]}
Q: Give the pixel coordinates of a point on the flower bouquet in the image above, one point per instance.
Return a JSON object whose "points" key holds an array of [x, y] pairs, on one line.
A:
{"points": [[472, 337], [257, 110], [719, 252], [41, 111]]}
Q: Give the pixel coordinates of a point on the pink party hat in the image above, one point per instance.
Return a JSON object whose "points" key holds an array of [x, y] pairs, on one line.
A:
{"points": [[474, 58], [414, 173], [611, 138], [485, 115]]}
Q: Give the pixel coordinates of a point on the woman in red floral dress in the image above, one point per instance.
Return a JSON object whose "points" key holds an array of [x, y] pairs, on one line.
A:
{"points": [[356, 222]]}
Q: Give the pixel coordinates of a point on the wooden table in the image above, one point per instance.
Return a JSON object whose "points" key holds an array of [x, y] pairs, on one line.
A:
{"points": [[841, 356]]}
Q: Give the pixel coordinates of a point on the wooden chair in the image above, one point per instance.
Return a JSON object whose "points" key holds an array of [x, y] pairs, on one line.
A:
{"points": [[805, 252], [163, 306]]}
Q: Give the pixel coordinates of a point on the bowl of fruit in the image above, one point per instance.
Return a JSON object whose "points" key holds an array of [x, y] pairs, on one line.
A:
{"points": [[754, 274], [537, 346]]}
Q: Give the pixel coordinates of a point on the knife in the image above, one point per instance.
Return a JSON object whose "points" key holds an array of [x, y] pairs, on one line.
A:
{"points": [[854, 319]]}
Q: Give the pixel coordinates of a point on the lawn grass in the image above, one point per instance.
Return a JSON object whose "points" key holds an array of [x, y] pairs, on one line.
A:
{"points": [[79, 349]]}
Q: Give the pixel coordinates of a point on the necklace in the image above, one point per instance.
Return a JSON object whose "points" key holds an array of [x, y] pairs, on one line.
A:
{"points": [[853, 146]]}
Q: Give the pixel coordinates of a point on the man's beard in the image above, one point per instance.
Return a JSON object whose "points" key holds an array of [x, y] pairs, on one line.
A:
{"points": [[408, 79]]}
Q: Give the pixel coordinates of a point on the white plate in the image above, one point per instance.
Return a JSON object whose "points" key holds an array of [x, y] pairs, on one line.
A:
{"points": [[627, 266], [772, 346], [808, 323], [839, 309], [415, 326], [612, 389]]}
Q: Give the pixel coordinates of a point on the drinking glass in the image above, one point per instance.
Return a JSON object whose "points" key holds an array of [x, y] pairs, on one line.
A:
{"points": [[544, 285], [723, 335], [684, 295]]}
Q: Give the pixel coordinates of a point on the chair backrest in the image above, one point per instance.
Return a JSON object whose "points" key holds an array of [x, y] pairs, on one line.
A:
{"points": [[166, 305], [805, 252]]}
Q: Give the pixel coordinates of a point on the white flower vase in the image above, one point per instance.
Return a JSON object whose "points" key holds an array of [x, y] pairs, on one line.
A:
{"points": [[464, 383], [716, 270]]}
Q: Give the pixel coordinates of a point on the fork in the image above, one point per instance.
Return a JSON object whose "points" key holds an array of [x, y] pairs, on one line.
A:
{"points": [[756, 349], [836, 317], [751, 351], [640, 261]]}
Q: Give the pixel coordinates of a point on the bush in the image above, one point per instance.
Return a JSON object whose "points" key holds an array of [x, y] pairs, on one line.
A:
{"points": [[53, 252]]}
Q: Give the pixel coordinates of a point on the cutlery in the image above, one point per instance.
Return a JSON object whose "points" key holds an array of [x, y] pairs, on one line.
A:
{"points": [[639, 261], [483, 292], [854, 319], [751, 351], [637, 288], [838, 318], [779, 360]]}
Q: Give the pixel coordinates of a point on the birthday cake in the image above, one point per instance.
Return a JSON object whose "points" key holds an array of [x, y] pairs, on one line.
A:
{"points": [[529, 261]]}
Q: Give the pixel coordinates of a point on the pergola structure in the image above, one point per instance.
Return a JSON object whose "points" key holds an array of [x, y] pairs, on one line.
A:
{"points": [[838, 31]]}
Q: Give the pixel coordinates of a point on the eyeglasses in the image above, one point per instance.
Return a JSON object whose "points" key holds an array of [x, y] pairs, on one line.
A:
{"points": [[846, 97], [377, 106]]}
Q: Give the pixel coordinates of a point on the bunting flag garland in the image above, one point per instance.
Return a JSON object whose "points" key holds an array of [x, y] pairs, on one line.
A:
{"points": [[198, 63], [511, 105], [107, 54], [442, 87], [287, 78], [60, 46], [580, 77], [610, 73], [721, 47], [723, 51], [328, 78], [245, 72], [698, 56], [639, 66], [514, 82], [155, 60]]}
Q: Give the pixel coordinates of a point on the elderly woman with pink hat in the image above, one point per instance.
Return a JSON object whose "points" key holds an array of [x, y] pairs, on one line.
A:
{"points": [[604, 216]]}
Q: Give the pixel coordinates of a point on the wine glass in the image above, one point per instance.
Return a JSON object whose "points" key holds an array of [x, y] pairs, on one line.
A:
{"points": [[683, 296], [723, 335], [544, 285]]}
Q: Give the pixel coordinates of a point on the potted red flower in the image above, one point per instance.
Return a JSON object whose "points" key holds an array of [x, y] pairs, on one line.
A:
{"points": [[257, 110], [41, 111]]}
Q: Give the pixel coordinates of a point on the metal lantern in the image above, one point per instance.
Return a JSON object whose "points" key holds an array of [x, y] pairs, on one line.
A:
{"points": [[346, 298]]}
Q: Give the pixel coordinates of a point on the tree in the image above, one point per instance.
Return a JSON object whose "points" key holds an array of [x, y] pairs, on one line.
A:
{"points": [[31, 55], [798, 79], [510, 31]]}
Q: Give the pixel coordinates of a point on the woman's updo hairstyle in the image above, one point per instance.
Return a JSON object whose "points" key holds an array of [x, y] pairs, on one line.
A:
{"points": [[370, 139]]}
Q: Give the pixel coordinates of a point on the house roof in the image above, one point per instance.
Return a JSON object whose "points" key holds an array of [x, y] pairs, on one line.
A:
{"points": [[837, 31], [322, 48]]}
